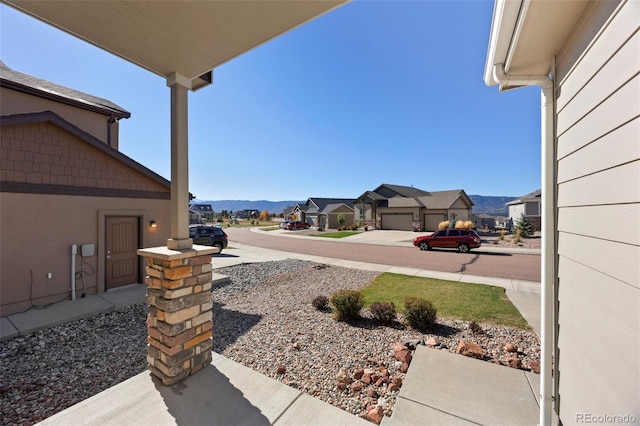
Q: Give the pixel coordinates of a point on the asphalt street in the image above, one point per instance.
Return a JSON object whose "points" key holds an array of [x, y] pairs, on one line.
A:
{"points": [[483, 262]]}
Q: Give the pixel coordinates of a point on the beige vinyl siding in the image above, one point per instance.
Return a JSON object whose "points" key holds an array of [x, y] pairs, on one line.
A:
{"points": [[598, 169], [596, 341]]}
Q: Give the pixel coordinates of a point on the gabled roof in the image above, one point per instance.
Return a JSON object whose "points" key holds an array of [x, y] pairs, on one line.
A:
{"points": [[404, 191], [332, 207], [202, 208], [318, 204], [370, 195], [530, 196], [444, 199], [45, 89]]}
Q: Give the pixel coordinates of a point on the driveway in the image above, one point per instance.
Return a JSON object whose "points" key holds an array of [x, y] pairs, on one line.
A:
{"points": [[395, 248]]}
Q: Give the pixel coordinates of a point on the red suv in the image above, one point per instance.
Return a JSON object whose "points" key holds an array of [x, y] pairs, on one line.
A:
{"points": [[297, 225], [461, 239]]}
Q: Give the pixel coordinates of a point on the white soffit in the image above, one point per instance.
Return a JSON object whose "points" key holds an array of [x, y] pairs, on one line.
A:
{"points": [[185, 37], [525, 35]]}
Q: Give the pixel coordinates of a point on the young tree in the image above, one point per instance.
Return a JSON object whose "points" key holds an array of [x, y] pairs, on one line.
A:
{"points": [[264, 215], [524, 225], [341, 219]]}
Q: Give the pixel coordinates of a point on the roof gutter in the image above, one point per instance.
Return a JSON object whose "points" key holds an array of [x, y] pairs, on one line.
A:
{"points": [[548, 264]]}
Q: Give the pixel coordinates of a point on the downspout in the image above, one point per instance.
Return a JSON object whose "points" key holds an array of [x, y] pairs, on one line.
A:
{"points": [[548, 264]]}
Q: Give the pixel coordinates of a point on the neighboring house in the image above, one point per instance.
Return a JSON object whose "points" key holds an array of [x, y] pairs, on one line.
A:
{"points": [[408, 208], [590, 127], [298, 211], [64, 183], [502, 222], [247, 214], [200, 212], [288, 211], [530, 205], [324, 212], [483, 220]]}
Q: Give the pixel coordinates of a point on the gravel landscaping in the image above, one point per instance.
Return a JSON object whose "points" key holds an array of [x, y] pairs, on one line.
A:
{"points": [[263, 319]]}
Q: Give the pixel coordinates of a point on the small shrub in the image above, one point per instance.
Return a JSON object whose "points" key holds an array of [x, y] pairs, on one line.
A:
{"points": [[443, 225], [420, 313], [459, 224], [501, 237], [320, 302], [346, 304], [468, 224], [383, 312], [475, 328], [518, 235]]}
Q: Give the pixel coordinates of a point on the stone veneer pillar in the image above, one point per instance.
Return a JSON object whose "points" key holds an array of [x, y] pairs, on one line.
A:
{"points": [[180, 319]]}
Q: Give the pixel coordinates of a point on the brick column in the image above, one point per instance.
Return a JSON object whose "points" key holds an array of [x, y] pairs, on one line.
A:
{"points": [[180, 321]]}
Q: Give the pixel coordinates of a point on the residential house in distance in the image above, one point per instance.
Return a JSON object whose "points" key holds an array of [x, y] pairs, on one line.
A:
{"points": [[411, 209], [68, 197], [199, 213], [530, 205], [585, 56], [483, 221], [325, 212]]}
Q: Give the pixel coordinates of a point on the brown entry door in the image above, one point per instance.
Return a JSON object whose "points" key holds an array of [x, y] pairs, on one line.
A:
{"points": [[122, 241]]}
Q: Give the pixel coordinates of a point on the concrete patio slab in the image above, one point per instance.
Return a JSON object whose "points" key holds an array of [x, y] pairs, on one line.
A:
{"points": [[7, 330], [445, 388], [125, 296], [60, 313], [224, 393]]}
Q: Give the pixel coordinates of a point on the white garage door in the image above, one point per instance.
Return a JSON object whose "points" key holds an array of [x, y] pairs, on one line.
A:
{"points": [[400, 221], [431, 221]]}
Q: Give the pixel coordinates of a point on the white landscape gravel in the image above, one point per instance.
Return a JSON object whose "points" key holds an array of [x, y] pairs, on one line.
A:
{"points": [[263, 319]]}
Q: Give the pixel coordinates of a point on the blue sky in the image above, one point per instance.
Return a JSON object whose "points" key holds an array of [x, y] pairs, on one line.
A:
{"points": [[373, 92]]}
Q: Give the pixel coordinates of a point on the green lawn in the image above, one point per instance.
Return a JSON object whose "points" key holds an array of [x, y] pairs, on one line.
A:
{"points": [[340, 234], [454, 300]]}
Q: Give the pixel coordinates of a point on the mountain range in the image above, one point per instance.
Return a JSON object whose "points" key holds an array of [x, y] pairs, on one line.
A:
{"points": [[492, 205]]}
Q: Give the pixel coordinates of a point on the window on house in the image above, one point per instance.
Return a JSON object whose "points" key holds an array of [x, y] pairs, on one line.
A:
{"points": [[532, 209]]}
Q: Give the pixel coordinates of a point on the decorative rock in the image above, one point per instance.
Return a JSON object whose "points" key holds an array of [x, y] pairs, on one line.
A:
{"points": [[384, 372], [433, 341], [341, 386], [470, 349], [343, 377], [357, 386], [510, 347], [404, 367], [534, 366], [281, 369], [393, 387], [403, 355], [357, 375], [371, 392], [376, 414], [296, 345], [514, 362]]}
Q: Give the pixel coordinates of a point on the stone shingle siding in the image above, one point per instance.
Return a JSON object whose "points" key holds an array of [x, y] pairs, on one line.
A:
{"points": [[42, 153]]}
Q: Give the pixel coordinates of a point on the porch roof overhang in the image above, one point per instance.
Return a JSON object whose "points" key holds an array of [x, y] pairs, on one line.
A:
{"points": [[176, 37], [526, 35]]}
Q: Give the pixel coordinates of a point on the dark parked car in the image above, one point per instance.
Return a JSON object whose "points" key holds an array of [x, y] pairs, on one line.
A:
{"points": [[461, 239], [296, 225], [208, 236]]}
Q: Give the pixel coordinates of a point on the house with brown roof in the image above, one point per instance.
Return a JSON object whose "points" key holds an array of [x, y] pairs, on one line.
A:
{"points": [[73, 209], [408, 208], [325, 212]]}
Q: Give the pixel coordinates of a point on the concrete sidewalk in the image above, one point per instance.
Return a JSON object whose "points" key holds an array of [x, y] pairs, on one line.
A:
{"points": [[440, 387]]}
